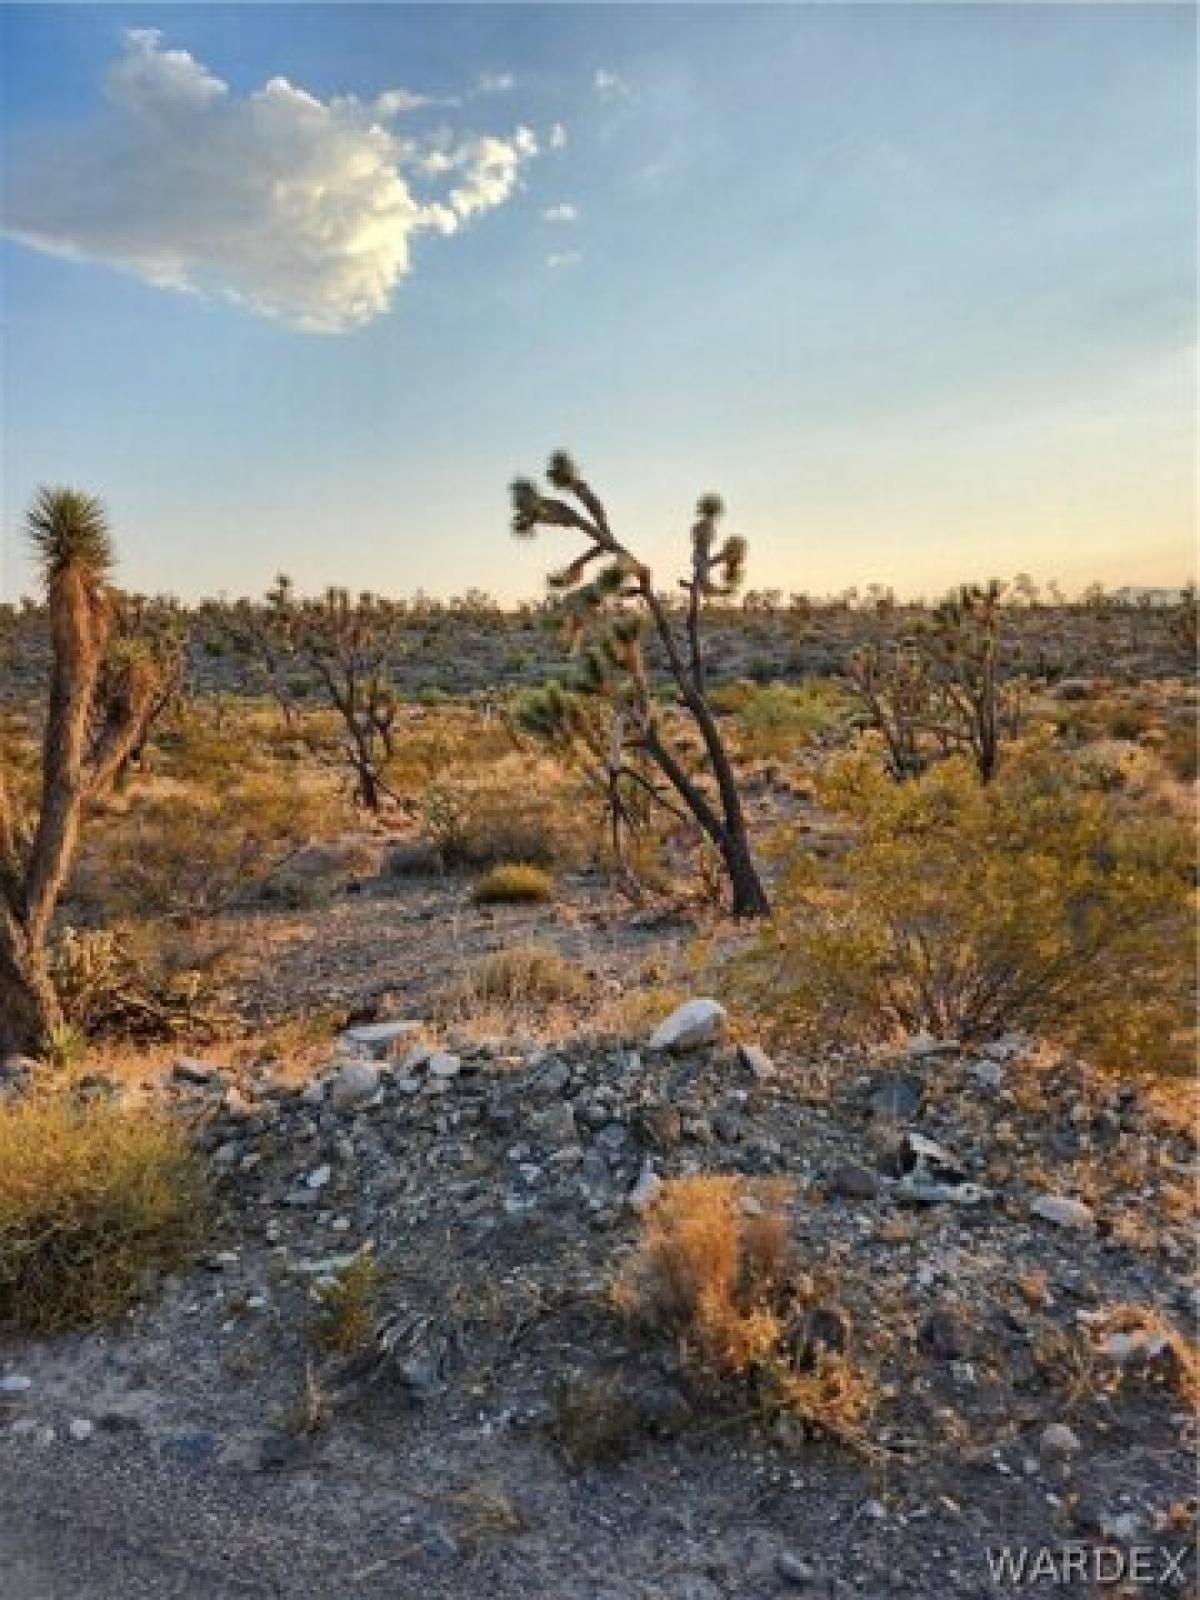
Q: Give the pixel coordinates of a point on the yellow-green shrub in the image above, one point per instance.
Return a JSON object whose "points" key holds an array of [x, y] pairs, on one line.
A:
{"points": [[1037, 902], [514, 882], [95, 1201]]}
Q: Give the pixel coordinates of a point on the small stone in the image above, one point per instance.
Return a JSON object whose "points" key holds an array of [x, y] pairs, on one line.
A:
{"points": [[443, 1066], [198, 1073], [852, 1182], [756, 1061], [660, 1126], [1063, 1211], [354, 1084], [81, 1429], [551, 1079], [897, 1096], [15, 1383], [645, 1191], [319, 1176], [379, 1039], [793, 1569], [944, 1335], [1058, 1441], [695, 1023]]}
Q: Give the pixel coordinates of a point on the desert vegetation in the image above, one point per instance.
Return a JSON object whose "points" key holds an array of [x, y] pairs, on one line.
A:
{"points": [[659, 1021]]}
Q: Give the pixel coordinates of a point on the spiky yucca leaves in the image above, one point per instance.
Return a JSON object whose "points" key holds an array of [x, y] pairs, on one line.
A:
{"points": [[608, 596], [69, 531], [99, 707]]}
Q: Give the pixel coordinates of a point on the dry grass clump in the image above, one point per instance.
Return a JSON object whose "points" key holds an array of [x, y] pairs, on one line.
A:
{"points": [[1146, 1345], [517, 811], [514, 883], [347, 1307], [95, 1202], [716, 1272], [521, 975]]}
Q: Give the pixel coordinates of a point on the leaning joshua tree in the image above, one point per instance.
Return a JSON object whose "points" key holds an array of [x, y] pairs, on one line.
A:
{"points": [[607, 612], [100, 703]]}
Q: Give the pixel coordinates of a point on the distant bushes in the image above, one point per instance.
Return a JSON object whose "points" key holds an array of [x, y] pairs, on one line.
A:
{"points": [[1038, 902], [95, 1202]]}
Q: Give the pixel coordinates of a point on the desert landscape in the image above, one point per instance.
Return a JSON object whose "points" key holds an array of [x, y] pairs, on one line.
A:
{"points": [[682, 1088]]}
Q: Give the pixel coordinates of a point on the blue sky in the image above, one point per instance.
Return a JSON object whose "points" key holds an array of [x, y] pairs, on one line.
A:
{"points": [[913, 286]]}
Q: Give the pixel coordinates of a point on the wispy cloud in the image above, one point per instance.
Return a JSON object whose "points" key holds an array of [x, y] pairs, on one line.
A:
{"points": [[558, 137], [564, 212], [295, 207], [564, 258], [495, 83], [611, 86]]}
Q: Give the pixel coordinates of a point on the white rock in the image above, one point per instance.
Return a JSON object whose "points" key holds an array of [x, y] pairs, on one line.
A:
{"points": [[757, 1062], [444, 1065], [696, 1022], [356, 1083], [645, 1191], [313, 1094], [319, 1177], [15, 1383], [1060, 1441], [1063, 1211], [81, 1429], [379, 1039]]}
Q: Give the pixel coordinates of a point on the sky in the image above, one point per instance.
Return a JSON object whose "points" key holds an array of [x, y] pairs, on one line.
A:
{"points": [[300, 288]]}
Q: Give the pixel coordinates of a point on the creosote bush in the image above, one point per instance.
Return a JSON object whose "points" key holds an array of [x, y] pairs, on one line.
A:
{"points": [[347, 1307], [967, 911], [514, 883], [95, 1202], [715, 1271]]}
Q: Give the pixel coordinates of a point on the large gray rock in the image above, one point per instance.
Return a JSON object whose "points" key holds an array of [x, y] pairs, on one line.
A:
{"points": [[356, 1083], [695, 1023]]}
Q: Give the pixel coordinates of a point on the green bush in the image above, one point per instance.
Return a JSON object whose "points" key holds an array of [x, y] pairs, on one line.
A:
{"points": [[1039, 902], [95, 1201]]}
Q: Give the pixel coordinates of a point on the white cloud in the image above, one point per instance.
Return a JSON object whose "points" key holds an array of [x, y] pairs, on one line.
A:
{"points": [[495, 83], [561, 213], [294, 207], [611, 86], [564, 258], [558, 137]]}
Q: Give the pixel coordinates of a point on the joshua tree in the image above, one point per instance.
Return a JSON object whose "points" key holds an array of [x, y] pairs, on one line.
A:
{"points": [[943, 685], [606, 614], [350, 647], [100, 703]]}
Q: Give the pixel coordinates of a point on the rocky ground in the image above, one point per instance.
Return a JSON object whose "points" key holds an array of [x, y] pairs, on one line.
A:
{"points": [[972, 1220]]}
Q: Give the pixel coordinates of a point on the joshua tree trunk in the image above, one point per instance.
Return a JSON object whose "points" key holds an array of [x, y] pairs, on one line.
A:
{"points": [[88, 739], [29, 1008]]}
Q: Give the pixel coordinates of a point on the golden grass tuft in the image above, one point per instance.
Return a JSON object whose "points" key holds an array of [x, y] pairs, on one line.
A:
{"points": [[520, 975], [514, 883], [95, 1202], [716, 1273]]}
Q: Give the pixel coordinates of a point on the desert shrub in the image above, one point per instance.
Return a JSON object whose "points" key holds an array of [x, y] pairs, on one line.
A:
{"points": [[347, 1307], [776, 720], [1180, 751], [518, 812], [198, 854], [522, 974], [95, 1201], [514, 882], [715, 1272], [1041, 902], [136, 984]]}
